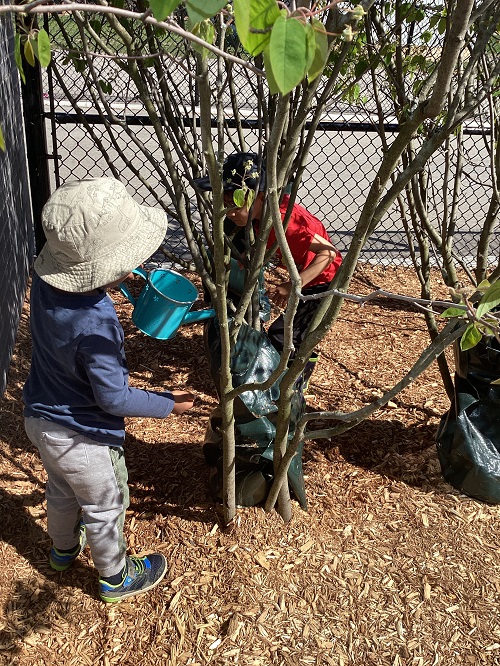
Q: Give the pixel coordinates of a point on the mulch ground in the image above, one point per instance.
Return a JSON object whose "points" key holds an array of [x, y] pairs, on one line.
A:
{"points": [[390, 566]]}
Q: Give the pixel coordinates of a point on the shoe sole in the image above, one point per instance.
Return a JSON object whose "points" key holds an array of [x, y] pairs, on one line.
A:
{"points": [[133, 593], [59, 567]]}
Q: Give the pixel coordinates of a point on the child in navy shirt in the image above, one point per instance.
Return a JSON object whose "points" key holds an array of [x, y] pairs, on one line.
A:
{"points": [[77, 393]]}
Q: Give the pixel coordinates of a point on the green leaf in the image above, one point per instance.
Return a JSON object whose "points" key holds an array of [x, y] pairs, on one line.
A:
{"points": [[43, 43], [271, 81], [357, 12], [163, 8], [29, 54], [360, 68], [199, 10], [105, 86], [96, 25], [310, 45], [18, 58], [79, 64], [453, 312], [470, 338], [254, 20], [347, 35], [490, 300], [239, 198], [288, 52], [2, 140], [206, 31], [483, 286], [320, 50]]}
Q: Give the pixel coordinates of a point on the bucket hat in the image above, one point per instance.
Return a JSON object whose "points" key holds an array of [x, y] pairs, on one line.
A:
{"points": [[239, 170], [96, 233]]}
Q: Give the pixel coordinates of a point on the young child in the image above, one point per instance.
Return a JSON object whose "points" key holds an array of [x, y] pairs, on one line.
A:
{"points": [[312, 250], [77, 392]]}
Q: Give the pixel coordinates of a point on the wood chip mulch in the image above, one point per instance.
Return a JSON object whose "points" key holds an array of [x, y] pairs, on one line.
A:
{"points": [[390, 566]]}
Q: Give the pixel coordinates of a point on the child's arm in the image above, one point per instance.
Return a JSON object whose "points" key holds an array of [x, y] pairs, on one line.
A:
{"points": [[105, 368], [325, 254]]}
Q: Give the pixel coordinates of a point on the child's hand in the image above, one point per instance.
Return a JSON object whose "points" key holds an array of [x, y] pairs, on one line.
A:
{"points": [[183, 401], [280, 294]]}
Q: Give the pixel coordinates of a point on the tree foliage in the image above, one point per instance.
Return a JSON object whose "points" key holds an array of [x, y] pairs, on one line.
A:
{"points": [[435, 65]]}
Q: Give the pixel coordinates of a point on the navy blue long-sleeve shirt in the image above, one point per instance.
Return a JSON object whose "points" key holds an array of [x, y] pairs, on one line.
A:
{"points": [[79, 375]]}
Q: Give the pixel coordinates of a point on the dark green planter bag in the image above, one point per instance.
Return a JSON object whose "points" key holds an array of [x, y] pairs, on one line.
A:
{"points": [[468, 438]]}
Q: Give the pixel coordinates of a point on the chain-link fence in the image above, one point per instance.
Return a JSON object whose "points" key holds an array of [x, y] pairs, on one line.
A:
{"points": [[342, 165], [16, 231]]}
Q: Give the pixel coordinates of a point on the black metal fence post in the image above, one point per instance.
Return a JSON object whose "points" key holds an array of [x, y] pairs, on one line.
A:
{"points": [[36, 142]]}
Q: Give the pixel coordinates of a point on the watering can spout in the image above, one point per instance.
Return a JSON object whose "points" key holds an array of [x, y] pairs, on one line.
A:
{"points": [[198, 315]]}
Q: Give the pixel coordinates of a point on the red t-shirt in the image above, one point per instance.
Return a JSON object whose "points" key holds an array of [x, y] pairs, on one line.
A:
{"points": [[302, 228]]}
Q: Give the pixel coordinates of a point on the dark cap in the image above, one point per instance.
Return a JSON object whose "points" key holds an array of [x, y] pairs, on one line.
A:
{"points": [[238, 171]]}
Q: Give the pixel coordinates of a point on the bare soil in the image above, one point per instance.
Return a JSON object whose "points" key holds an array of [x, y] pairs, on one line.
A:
{"points": [[390, 566]]}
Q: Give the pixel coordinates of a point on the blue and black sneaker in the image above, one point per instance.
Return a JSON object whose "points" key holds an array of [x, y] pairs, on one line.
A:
{"points": [[140, 574], [62, 560]]}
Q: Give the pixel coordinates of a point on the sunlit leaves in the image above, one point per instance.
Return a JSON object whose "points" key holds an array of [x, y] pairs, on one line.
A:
{"points": [[271, 81], [244, 197], [34, 45], [206, 31], [2, 140], [470, 338], [490, 300], [163, 8], [485, 321], [347, 34], [18, 57], [288, 53], [357, 12], [199, 10], [453, 312], [319, 47], [295, 45], [29, 52], [43, 44], [254, 21], [239, 198]]}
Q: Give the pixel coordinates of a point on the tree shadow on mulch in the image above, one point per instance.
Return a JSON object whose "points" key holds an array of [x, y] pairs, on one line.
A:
{"points": [[169, 479], [389, 448]]}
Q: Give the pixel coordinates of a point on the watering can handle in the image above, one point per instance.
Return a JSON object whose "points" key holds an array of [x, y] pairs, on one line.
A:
{"points": [[124, 289]]}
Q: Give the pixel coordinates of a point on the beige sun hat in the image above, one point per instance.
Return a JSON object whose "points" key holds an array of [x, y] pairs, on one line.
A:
{"points": [[96, 233]]}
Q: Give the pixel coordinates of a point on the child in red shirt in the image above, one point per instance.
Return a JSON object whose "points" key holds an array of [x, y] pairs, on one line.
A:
{"points": [[314, 254]]}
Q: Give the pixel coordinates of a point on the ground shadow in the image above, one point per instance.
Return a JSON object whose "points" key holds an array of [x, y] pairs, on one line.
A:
{"points": [[169, 479], [388, 447], [176, 363]]}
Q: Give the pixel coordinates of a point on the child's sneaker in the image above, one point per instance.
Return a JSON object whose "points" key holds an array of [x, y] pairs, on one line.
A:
{"points": [[61, 561], [141, 574]]}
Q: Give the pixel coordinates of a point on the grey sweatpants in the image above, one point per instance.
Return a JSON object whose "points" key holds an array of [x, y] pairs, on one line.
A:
{"points": [[84, 477]]}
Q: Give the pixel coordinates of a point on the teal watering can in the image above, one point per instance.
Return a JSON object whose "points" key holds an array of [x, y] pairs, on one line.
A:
{"points": [[164, 303]]}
